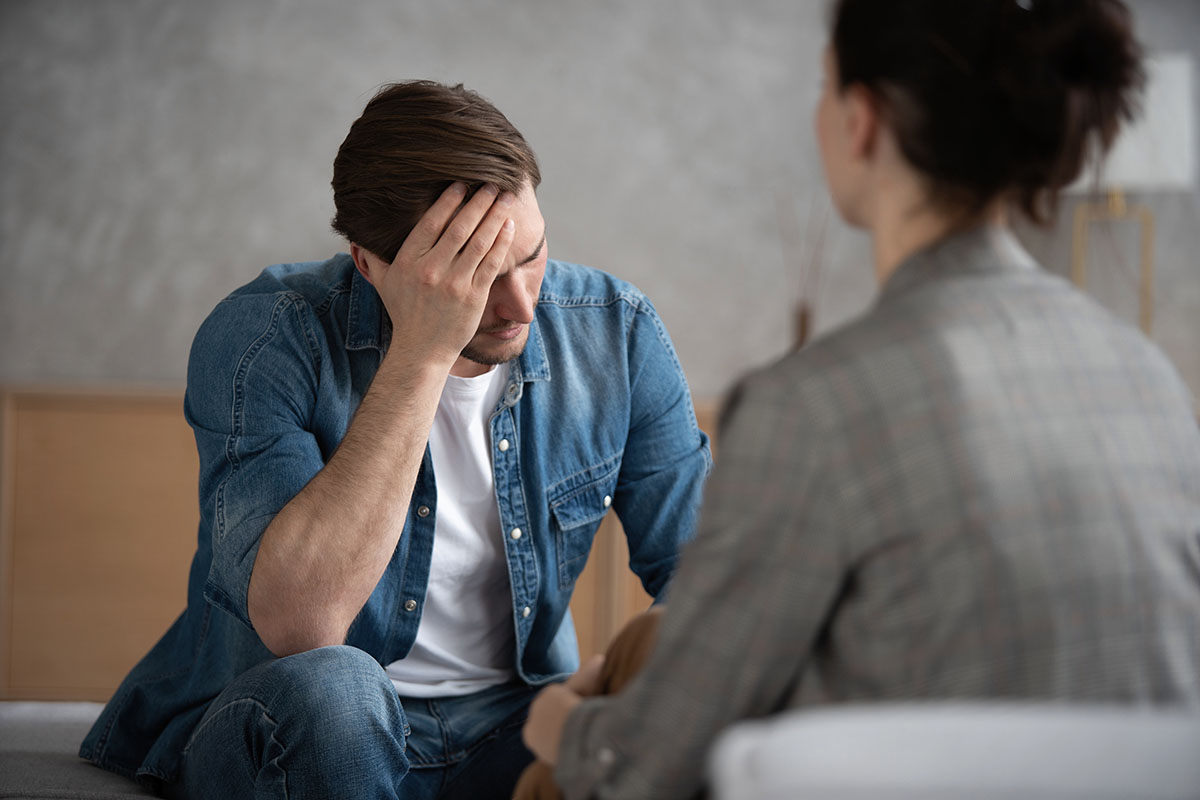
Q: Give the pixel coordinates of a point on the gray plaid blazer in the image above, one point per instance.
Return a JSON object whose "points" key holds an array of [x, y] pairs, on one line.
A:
{"points": [[986, 487]]}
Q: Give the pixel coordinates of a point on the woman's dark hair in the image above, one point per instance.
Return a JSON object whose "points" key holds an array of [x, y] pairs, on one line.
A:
{"points": [[412, 141], [994, 98]]}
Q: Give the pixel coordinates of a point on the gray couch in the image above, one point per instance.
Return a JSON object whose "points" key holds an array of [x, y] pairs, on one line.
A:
{"points": [[958, 750], [38, 761], [907, 752]]}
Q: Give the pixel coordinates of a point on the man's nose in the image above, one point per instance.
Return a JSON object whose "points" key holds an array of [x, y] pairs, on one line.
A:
{"points": [[516, 302]]}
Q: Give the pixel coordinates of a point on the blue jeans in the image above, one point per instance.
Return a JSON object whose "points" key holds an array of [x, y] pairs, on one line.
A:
{"points": [[328, 724]]}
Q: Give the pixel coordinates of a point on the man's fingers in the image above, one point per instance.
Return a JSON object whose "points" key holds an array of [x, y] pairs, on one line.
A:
{"points": [[429, 228], [465, 225], [489, 267], [486, 235], [586, 681]]}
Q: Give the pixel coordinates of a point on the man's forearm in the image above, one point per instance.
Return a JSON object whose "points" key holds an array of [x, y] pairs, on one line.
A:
{"points": [[322, 555]]}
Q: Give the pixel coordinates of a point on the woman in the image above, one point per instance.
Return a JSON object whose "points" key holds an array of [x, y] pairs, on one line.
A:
{"points": [[986, 487]]}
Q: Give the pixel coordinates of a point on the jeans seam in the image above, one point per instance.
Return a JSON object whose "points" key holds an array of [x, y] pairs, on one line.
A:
{"points": [[282, 749], [205, 723], [436, 712]]}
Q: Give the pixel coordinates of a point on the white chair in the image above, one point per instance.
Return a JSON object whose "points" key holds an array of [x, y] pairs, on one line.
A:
{"points": [[937, 751]]}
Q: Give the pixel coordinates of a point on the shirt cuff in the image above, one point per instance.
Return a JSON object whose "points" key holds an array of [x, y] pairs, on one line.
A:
{"points": [[585, 757]]}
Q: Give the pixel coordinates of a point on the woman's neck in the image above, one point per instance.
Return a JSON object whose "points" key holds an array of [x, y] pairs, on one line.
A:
{"points": [[900, 230]]}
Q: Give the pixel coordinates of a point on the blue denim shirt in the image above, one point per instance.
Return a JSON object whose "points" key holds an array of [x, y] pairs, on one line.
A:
{"points": [[596, 412]]}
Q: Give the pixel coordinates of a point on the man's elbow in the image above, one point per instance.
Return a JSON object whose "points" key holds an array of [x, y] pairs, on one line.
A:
{"points": [[285, 632], [289, 643]]}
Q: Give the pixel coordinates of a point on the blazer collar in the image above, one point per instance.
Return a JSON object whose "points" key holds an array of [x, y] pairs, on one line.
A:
{"points": [[978, 250]]}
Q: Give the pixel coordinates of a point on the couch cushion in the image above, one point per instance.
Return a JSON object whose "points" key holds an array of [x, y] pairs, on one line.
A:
{"points": [[39, 743], [949, 751]]}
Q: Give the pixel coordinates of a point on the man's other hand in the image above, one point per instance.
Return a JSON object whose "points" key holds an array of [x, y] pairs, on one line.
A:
{"points": [[549, 710]]}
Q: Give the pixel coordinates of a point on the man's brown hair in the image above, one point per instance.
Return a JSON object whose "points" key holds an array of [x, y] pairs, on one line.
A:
{"points": [[412, 141]]}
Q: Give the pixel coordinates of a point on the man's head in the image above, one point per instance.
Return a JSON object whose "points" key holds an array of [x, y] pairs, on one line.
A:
{"points": [[412, 141]]}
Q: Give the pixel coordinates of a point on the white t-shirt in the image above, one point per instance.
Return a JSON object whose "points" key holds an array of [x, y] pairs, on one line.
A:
{"points": [[465, 641]]}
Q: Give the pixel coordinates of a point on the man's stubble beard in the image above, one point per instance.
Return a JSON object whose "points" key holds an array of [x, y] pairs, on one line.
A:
{"points": [[482, 356]]}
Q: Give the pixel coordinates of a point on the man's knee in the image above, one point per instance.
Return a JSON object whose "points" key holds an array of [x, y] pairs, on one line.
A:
{"points": [[335, 689], [325, 719]]}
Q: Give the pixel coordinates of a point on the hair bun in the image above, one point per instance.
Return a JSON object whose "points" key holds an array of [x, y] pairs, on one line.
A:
{"points": [[994, 98], [1084, 43], [1085, 62]]}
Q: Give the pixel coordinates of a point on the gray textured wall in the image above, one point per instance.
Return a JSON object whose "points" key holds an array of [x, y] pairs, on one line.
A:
{"points": [[155, 155]]}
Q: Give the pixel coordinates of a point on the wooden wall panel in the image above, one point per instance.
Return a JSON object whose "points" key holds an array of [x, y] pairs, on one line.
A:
{"points": [[98, 524], [99, 517], [607, 593]]}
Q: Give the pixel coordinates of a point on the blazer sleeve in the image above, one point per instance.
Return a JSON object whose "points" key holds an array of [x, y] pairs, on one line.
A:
{"points": [[752, 594]]}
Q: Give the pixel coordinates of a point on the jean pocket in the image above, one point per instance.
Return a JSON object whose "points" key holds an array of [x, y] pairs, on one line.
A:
{"points": [[577, 506]]}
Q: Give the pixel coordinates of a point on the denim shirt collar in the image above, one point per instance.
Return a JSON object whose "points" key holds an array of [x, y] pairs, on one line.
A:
{"points": [[366, 322], [532, 364], [364, 325]]}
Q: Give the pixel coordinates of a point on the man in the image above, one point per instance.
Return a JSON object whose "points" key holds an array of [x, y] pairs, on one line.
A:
{"points": [[404, 454]]}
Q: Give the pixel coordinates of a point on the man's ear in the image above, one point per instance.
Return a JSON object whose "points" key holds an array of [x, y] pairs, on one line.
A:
{"points": [[360, 255], [862, 121]]}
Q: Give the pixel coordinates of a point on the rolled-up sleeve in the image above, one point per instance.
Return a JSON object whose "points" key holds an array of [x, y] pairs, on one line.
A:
{"points": [[666, 458], [251, 396], [750, 598]]}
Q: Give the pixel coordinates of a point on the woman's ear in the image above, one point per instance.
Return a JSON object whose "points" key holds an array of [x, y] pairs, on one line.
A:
{"points": [[862, 121]]}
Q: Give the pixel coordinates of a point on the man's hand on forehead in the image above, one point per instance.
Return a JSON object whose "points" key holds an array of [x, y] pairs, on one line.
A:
{"points": [[436, 288]]}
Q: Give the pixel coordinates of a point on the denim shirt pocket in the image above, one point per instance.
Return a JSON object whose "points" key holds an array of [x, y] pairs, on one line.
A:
{"points": [[578, 504]]}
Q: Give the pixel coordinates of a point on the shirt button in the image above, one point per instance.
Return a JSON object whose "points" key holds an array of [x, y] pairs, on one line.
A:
{"points": [[526, 611], [606, 756], [515, 533], [423, 511], [607, 501], [410, 605], [503, 445]]}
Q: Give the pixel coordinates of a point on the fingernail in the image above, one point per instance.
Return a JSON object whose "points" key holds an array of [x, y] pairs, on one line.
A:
{"points": [[458, 187], [491, 189], [507, 198], [509, 225]]}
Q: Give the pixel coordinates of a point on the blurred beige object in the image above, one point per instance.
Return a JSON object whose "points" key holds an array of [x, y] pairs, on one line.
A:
{"points": [[1154, 154]]}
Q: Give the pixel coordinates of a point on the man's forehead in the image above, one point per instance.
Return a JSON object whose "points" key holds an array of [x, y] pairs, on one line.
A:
{"points": [[530, 237], [535, 252]]}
